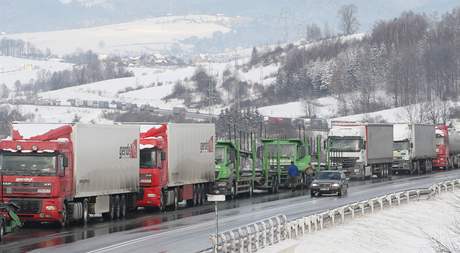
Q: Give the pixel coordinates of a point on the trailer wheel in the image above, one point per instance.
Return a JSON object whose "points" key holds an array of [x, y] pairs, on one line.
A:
{"points": [[176, 199], [123, 207], [277, 185], [203, 194], [111, 214], [117, 207], [195, 197], [85, 215]]}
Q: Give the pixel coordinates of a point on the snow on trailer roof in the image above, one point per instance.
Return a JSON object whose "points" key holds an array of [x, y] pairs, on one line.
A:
{"points": [[401, 132], [28, 130], [145, 128]]}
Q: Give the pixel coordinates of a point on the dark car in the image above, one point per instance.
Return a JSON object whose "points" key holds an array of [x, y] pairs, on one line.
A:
{"points": [[329, 182]]}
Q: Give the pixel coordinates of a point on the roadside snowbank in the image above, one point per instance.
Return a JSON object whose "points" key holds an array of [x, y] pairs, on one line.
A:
{"points": [[424, 226]]}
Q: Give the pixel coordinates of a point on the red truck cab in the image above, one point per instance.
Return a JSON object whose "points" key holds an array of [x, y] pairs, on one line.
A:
{"points": [[442, 147], [153, 167], [35, 174]]}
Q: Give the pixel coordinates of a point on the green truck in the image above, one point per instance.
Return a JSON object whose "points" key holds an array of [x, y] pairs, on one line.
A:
{"points": [[277, 155], [235, 168]]}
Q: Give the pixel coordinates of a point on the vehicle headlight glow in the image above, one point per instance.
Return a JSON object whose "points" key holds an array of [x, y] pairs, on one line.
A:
{"points": [[314, 184], [51, 208], [45, 190], [335, 185]]}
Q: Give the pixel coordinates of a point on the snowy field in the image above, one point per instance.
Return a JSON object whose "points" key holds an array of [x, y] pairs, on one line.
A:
{"points": [[13, 69], [325, 107], [146, 35], [419, 227]]}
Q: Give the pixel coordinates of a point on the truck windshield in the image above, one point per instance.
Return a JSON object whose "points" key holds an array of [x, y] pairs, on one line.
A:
{"points": [[349, 145], [284, 150], [220, 153], [28, 164], [150, 158], [400, 145]]}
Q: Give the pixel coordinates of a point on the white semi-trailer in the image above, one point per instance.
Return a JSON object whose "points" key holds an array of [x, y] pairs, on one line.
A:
{"points": [[363, 150], [414, 148]]}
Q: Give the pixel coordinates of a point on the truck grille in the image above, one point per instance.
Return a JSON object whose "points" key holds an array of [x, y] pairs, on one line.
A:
{"points": [[345, 162], [27, 206]]}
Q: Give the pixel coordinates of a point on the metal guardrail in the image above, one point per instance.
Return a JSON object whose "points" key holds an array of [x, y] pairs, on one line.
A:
{"points": [[268, 232]]}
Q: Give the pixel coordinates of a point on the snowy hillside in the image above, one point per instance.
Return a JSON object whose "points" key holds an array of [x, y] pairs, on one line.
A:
{"points": [[62, 114], [147, 35], [149, 85], [13, 69]]}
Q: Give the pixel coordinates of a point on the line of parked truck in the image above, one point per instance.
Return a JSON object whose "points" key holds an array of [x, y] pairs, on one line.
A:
{"points": [[69, 172]]}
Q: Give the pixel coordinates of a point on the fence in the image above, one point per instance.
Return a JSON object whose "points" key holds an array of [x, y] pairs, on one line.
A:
{"points": [[264, 233]]}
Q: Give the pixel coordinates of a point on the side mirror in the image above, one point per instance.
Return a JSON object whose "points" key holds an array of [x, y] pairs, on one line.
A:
{"points": [[65, 162], [163, 155]]}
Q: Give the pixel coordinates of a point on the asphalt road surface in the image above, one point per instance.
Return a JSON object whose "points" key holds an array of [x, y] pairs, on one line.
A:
{"points": [[188, 230]]}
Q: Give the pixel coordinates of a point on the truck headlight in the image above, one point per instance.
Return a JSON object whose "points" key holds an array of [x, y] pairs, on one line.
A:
{"points": [[44, 190], [314, 185], [335, 185], [50, 208]]}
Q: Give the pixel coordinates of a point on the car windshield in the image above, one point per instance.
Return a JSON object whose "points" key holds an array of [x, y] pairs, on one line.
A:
{"points": [[285, 150], [400, 145], [349, 145], [28, 164], [220, 153], [149, 158], [328, 175]]}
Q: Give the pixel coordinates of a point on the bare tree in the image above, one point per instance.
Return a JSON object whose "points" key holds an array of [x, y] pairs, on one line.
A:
{"points": [[349, 23], [313, 32], [309, 108]]}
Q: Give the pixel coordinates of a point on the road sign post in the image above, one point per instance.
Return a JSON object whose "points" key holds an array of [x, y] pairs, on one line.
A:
{"points": [[216, 199]]}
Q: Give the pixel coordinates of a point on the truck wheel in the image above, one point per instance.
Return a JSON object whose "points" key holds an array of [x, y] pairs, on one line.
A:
{"points": [[233, 192], [162, 206], [2, 230], [123, 207], [64, 221]]}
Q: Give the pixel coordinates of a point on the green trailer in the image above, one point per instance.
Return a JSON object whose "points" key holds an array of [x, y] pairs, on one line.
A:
{"points": [[277, 155], [235, 168]]}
